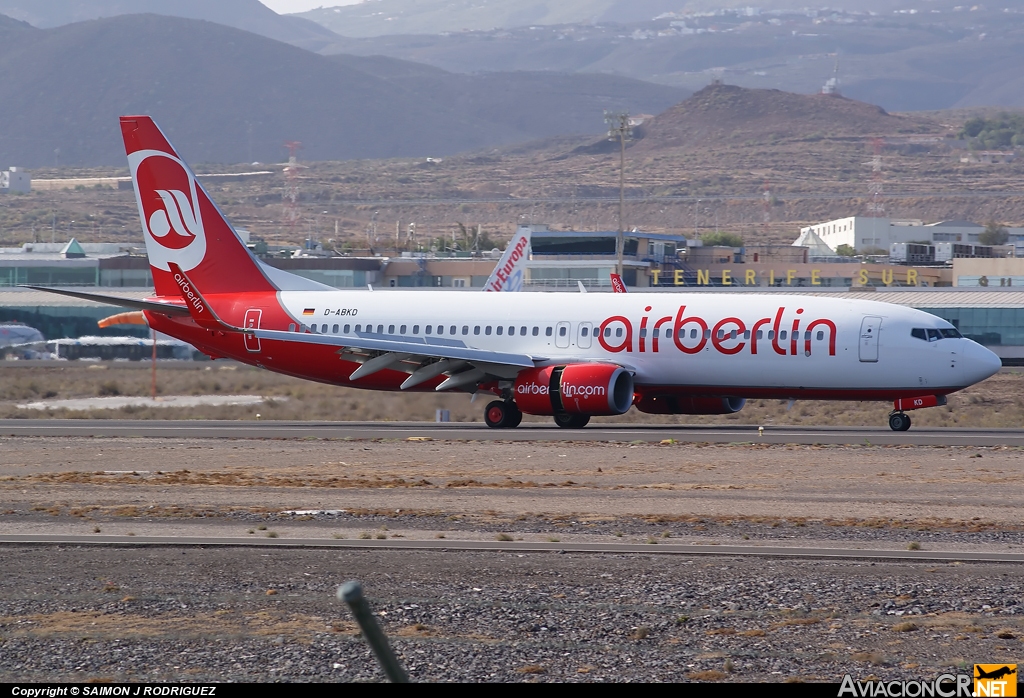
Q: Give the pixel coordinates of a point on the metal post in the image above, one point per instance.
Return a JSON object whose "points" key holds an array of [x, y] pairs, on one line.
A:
{"points": [[352, 594]]}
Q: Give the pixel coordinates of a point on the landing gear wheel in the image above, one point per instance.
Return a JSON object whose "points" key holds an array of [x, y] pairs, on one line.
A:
{"points": [[571, 421], [502, 414], [899, 421]]}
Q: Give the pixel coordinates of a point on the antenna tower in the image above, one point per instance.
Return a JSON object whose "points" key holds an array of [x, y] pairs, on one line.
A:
{"points": [[291, 185], [766, 210], [876, 207]]}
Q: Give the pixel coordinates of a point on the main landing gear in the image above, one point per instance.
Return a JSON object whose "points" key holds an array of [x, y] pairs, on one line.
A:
{"points": [[898, 421], [502, 414]]}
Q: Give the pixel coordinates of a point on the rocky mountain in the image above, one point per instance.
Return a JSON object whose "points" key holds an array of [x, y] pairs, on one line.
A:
{"points": [[250, 15], [225, 95]]}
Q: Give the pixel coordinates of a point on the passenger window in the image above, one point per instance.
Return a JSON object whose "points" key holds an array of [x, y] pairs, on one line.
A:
{"points": [[465, 329], [782, 335], [584, 331], [511, 330], [693, 334], [440, 329], [452, 329], [668, 333], [821, 335], [347, 329], [934, 336], [707, 334], [323, 328], [415, 329], [771, 334], [807, 334], [522, 331], [760, 334], [746, 335], [618, 331], [562, 331], [547, 332], [499, 330], [655, 333], [291, 326], [607, 331], [487, 330], [536, 331], [302, 327], [334, 329], [358, 327], [426, 330], [721, 334], [476, 329], [732, 335], [391, 329], [643, 332], [401, 330]]}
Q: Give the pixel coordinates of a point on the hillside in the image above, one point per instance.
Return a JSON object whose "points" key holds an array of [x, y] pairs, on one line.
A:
{"points": [[250, 15], [225, 95], [383, 17], [727, 115]]}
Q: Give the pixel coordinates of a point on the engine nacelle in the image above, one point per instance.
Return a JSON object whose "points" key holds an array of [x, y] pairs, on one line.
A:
{"points": [[590, 389], [684, 404]]}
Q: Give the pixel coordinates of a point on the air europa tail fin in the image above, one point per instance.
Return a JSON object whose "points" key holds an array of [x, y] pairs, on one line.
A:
{"points": [[180, 222], [508, 274]]}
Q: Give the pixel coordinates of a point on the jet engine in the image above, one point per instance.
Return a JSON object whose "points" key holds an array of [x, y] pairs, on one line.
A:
{"points": [[586, 389], [684, 404]]}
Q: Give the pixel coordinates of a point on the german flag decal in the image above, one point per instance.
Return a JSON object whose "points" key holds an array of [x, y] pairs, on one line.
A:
{"points": [[308, 311]]}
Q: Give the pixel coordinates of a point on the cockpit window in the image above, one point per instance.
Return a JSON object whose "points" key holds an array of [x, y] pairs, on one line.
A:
{"points": [[919, 333], [951, 333], [934, 335]]}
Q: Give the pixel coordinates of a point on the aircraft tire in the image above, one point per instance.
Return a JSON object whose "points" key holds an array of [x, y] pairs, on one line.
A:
{"points": [[899, 422], [571, 421], [502, 414]]}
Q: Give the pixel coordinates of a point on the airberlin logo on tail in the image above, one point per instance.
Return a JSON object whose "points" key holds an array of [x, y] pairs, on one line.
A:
{"points": [[168, 200], [191, 297]]}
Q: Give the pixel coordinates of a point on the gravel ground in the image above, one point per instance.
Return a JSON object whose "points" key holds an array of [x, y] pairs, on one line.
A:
{"points": [[226, 614], [247, 615]]}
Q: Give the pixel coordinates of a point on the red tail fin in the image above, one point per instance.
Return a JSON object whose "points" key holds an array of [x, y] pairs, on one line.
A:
{"points": [[180, 222]]}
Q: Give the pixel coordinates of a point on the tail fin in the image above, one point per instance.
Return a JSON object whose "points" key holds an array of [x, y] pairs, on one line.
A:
{"points": [[180, 222], [617, 285], [508, 274]]}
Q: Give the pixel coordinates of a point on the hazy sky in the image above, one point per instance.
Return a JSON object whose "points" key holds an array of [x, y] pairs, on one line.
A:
{"points": [[286, 6]]}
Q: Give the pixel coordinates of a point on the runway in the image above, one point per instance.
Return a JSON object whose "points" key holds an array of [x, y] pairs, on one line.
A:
{"points": [[517, 547], [470, 431]]}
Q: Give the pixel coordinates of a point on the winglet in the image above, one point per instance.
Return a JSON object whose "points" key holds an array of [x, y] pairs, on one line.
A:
{"points": [[617, 285], [198, 307]]}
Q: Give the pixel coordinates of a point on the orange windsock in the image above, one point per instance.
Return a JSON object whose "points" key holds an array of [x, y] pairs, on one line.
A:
{"points": [[134, 317]]}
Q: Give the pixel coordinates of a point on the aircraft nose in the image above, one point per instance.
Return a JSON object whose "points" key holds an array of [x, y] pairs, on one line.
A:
{"points": [[979, 363]]}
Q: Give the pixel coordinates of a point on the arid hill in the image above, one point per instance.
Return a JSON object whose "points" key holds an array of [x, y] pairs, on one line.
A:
{"points": [[225, 95], [723, 115]]}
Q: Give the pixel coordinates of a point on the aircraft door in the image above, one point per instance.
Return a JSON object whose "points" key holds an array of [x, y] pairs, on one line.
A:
{"points": [[562, 335], [584, 335], [869, 329], [252, 322]]}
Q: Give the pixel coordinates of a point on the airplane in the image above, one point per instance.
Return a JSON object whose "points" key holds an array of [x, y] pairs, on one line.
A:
{"points": [[564, 355]]}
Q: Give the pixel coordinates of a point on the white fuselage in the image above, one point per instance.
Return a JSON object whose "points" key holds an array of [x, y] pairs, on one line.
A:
{"points": [[741, 344]]}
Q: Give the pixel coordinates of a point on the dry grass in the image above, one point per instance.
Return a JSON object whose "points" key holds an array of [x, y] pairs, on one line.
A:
{"points": [[998, 402]]}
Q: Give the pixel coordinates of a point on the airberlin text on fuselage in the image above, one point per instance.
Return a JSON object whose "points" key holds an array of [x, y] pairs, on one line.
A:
{"points": [[690, 334]]}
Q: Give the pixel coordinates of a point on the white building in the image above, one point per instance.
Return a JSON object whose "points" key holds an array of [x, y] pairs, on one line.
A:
{"points": [[866, 233], [15, 179]]}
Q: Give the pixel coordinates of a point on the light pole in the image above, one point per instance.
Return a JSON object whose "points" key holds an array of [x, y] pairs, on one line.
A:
{"points": [[619, 127]]}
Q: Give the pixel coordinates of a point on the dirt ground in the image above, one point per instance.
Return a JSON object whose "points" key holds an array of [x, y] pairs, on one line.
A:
{"points": [[997, 402]]}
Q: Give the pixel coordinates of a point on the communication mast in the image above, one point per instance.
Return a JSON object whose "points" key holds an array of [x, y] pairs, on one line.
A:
{"points": [[291, 185], [876, 207], [766, 210], [620, 127]]}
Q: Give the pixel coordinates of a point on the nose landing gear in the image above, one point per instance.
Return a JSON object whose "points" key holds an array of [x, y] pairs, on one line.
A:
{"points": [[898, 421]]}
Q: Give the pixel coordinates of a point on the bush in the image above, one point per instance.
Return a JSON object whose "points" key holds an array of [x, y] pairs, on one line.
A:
{"points": [[722, 240]]}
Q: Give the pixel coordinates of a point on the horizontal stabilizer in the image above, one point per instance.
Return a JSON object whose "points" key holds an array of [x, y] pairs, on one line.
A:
{"points": [[172, 310]]}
